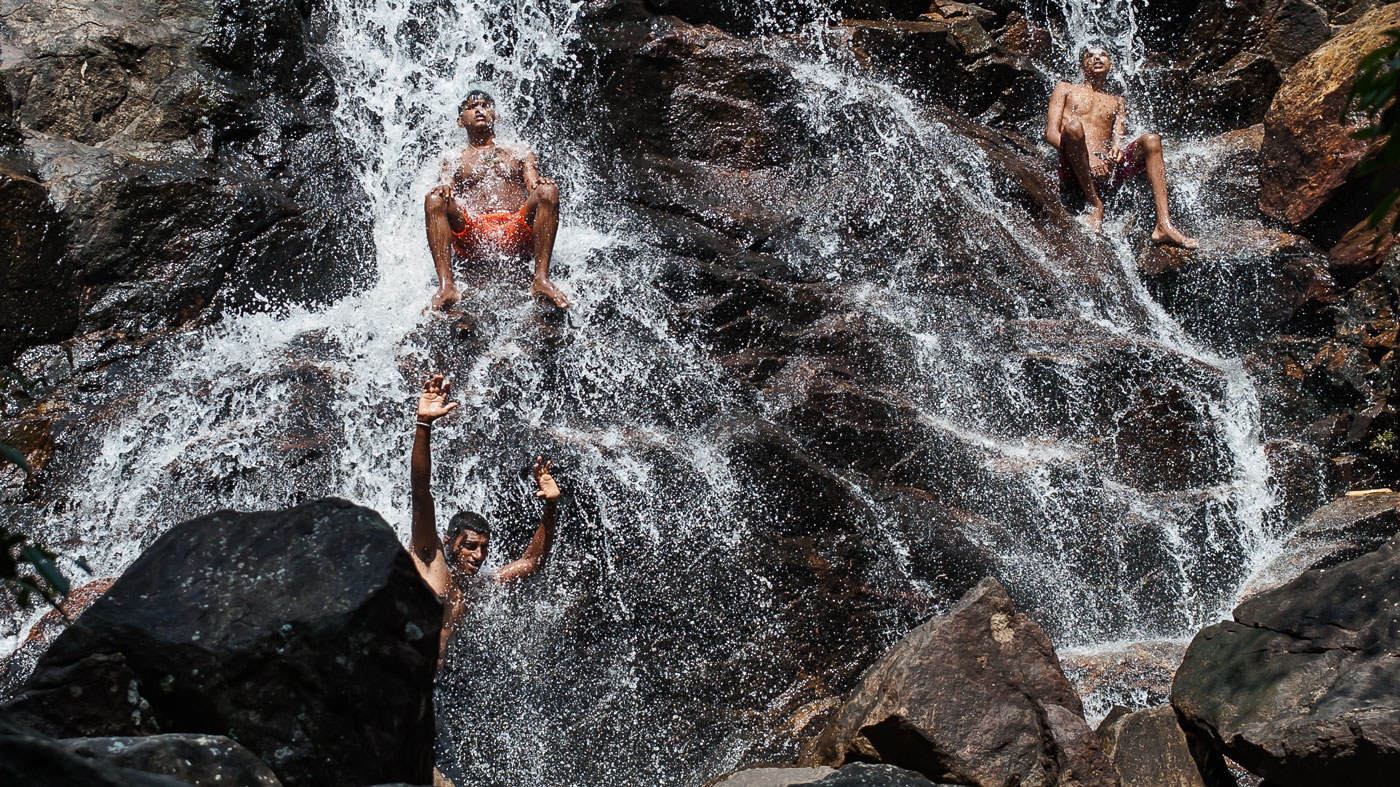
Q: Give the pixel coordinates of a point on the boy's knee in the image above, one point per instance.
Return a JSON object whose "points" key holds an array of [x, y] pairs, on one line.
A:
{"points": [[1152, 143], [1073, 130], [548, 191]]}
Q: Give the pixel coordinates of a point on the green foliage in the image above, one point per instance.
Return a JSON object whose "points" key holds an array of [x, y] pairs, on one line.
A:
{"points": [[27, 570], [1384, 443], [1375, 93]]}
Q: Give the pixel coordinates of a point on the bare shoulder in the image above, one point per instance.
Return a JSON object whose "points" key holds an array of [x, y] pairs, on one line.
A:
{"points": [[1061, 88], [516, 151]]}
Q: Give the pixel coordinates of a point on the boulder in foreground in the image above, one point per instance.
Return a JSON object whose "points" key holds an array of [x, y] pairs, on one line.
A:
{"points": [[1300, 687], [975, 696], [305, 635]]}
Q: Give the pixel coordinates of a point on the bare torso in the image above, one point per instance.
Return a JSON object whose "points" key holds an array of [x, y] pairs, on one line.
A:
{"points": [[1096, 111], [490, 179]]}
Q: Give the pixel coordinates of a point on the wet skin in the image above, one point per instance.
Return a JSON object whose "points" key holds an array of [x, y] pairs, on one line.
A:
{"points": [[488, 178], [448, 568], [1088, 127]]}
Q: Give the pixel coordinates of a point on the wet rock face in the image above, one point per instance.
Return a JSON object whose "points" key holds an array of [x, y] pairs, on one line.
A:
{"points": [[35, 760], [178, 153], [305, 635], [1342, 530], [201, 760], [974, 696], [1308, 153], [1298, 688]]}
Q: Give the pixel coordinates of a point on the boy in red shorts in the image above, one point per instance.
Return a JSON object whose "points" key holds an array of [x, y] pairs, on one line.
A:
{"points": [[1088, 127], [497, 204]]}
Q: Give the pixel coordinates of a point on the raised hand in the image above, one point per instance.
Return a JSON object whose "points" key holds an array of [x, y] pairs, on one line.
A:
{"points": [[548, 489], [433, 404]]}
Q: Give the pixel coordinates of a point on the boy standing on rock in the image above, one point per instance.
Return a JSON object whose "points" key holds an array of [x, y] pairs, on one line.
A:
{"points": [[1088, 127], [447, 565], [496, 204]]}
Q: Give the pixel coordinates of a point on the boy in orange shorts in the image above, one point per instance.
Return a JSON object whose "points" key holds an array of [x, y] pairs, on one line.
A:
{"points": [[496, 204]]}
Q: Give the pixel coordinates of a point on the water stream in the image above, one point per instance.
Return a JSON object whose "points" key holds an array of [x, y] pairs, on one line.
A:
{"points": [[660, 643]]}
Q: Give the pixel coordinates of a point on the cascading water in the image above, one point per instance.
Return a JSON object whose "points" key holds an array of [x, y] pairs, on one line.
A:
{"points": [[661, 645]]}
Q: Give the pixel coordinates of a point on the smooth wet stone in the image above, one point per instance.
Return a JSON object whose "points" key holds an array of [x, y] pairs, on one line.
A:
{"points": [[1342, 530], [200, 760]]}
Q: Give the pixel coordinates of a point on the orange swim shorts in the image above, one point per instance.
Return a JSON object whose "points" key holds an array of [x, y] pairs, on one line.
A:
{"points": [[499, 233]]}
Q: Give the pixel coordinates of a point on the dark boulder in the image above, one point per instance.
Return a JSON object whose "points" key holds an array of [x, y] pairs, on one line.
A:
{"points": [[1309, 152], [305, 635], [1291, 30], [38, 302], [974, 696], [201, 760], [1299, 687], [1250, 285], [35, 760]]}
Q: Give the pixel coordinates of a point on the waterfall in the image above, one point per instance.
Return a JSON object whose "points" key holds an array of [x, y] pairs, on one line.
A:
{"points": [[661, 645]]}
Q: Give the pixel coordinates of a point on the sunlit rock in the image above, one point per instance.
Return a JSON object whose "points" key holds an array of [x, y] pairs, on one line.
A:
{"points": [[974, 696], [1148, 749], [1342, 530], [1309, 152]]}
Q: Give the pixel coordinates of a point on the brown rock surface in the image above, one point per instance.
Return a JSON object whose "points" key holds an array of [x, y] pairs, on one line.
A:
{"points": [[1308, 152], [974, 696], [1148, 749]]}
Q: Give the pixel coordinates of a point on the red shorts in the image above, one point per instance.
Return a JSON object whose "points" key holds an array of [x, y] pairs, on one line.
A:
{"points": [[1127, 167], [499, 233]]}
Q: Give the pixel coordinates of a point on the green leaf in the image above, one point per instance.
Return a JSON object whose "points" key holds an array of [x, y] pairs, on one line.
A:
{"points": [[43, 563], [9, 454]]}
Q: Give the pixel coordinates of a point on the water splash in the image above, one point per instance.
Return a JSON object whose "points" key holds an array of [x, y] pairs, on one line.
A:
{"points": [[662, 645]]}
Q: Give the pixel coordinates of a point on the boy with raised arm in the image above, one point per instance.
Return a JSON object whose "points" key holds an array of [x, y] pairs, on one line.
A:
{"points": [[447, 565], [1088, 126]]}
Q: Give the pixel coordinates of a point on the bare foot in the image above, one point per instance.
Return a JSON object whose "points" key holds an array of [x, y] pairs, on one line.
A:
{"points": [[446, 299], [1167, 235], [1093, 219], [545, 288]]}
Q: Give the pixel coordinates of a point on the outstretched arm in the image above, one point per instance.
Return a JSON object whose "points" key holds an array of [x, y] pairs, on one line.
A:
{"points": [[538, 550], [1054, 115], [425, 545]]}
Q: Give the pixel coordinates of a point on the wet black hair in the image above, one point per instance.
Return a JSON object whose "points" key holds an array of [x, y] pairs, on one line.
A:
{"points": [[473, 95], [463, 521]]}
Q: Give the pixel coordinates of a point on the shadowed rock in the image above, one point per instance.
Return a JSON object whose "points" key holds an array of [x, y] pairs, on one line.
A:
{"points": [[201, 760], [1299, 687], [306, 635]]}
